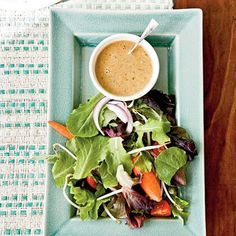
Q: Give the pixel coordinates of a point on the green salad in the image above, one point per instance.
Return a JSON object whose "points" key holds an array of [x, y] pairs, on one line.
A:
{"points": [[124, 160]]}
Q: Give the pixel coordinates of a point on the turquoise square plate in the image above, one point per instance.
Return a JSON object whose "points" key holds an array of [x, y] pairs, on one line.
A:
{"points": [[178, 43]]}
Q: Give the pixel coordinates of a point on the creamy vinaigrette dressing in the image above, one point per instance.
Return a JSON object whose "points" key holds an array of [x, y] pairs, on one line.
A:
{"points": [[122, 74]]}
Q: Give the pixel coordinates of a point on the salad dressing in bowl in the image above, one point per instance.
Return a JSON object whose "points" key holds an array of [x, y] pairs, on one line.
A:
{"points": [[122, 76], [121, 73]]}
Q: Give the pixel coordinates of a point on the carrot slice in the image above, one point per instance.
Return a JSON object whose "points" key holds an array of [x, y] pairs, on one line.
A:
{"points": [[61, 129], [161, 209], [92, 183], [149, 183]]}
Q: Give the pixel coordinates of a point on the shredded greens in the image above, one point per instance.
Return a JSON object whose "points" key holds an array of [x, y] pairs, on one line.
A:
{"points": [[119, 162]]}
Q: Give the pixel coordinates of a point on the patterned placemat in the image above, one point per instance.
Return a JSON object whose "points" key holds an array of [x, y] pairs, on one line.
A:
{"points": [[23, 110]]}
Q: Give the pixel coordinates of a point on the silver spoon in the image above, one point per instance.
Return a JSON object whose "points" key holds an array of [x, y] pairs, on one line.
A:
{"points": [[151, 26]]}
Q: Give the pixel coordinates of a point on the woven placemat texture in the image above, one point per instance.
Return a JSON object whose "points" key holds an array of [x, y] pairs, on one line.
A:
{"points": [[23, 111], [121, 4]]}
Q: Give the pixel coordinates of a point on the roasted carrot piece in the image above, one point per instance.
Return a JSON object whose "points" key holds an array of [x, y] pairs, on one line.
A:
{"points": [[149, 183], [92, 183], [161, 208], [61, 129]]}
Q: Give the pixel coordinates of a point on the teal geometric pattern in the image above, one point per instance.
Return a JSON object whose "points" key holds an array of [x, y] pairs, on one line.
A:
{"points": [[23, 110]]}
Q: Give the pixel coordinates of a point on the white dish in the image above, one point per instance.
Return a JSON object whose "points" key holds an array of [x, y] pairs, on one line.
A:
{"points": [[129, 37]]}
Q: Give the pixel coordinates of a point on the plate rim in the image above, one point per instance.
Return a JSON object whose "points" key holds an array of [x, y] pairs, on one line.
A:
{"points": [[122, 12]]}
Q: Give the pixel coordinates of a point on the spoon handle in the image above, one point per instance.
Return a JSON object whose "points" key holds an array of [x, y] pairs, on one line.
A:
{"points": [[151, 26]]}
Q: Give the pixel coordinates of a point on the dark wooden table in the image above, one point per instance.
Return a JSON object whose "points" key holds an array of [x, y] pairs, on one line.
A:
{"points": [[220, 112]]}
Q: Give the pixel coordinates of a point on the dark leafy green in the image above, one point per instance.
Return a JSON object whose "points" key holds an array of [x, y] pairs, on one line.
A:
{"points": [[180, 138], [137, 202], [134, 220], [146, 110], [180, 177], [160, 101], [116, 131], [131, 142]]}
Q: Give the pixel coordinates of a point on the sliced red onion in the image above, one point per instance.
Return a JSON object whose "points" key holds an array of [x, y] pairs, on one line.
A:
{"points": [[129, 128], [123, 105], [119, 108], [131, 104], [97, 110], [121, 113]]}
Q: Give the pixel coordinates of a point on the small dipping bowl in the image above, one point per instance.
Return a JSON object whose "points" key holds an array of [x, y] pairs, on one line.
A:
{"points": [[124, 37]]}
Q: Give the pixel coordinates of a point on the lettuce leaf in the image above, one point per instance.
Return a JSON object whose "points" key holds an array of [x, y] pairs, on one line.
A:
{"points": [[94, 212], [144, 162], [87, 202], [117, 207], [106, 116], [139, 142], [100, 191], [158, 128], [90, 152], [63, 166], [119, 156], [130, 143], [108, 179], [51, 159], [116, 156], [80, 121], [182, 215], [147, 111], [169, 162], [181, 202], [161, 102]]}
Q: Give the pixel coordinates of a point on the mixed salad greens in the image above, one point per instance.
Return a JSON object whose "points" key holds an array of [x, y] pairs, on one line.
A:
{"points": [[124, 160]]}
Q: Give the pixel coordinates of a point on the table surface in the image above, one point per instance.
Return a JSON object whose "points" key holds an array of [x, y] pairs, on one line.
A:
{"points": [[220, 112], [220, 117]]}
